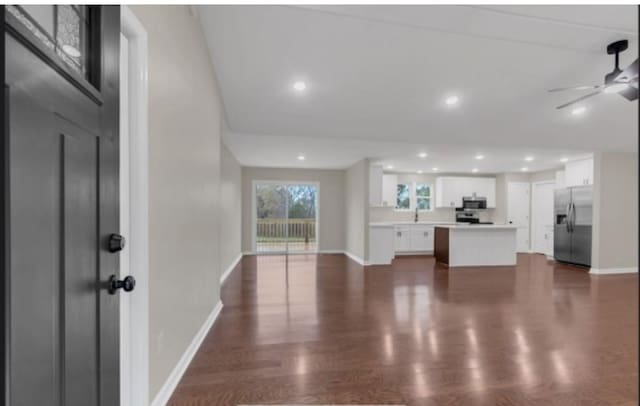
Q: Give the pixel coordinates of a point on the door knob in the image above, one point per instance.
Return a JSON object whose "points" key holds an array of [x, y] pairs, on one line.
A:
{"points": [[127, 284], [116, 242]]}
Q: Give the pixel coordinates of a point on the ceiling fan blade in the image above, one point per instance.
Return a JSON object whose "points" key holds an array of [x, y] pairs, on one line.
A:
{"points": [[562, 89], [628, 74], [579, 99]]}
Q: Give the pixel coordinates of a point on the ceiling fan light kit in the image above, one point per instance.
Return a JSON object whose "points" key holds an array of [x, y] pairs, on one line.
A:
{"points": [[622, 82]]}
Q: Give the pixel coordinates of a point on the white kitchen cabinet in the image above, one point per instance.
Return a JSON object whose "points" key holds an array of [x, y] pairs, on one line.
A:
{"points": [[381, 251], [402, 239], [578, 173], [448, 193], [413, 238], [451, 189], [389, 189], [421, 239]]}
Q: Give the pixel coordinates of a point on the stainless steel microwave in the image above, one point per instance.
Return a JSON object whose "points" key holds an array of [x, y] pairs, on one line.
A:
{"points": [[474, 203]]}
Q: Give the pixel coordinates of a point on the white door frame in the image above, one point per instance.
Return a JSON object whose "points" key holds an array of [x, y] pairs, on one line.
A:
{"points": [[528, 184], [254, 217], [533, 211], [134, 306]]}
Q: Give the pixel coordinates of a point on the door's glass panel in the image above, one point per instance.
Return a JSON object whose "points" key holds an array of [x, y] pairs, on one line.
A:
{"points": [[286, 217], [63, 29], [302, 217], [271, 218]]}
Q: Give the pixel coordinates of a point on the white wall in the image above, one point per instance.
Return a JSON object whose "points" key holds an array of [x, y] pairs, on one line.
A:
{"points": [[185, 115], [330, 202], [615, 211], [357, 209], [230, 236]]}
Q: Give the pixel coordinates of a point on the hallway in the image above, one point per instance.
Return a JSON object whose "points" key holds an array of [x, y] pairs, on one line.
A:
{"points": [[319, 329]]}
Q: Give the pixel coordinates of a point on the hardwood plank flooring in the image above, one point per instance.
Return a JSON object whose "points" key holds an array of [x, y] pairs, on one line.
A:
{"points": [[321, 329]]}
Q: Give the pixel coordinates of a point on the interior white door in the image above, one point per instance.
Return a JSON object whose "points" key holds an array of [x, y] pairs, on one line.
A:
{"points": [[518, 202], [542, 219]]}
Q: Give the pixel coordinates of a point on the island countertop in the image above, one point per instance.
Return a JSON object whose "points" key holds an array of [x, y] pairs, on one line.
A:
{"points": [[477, 226]]}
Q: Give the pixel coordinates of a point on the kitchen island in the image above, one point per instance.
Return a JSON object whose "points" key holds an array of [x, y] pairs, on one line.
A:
{"points": [[475, 245]]}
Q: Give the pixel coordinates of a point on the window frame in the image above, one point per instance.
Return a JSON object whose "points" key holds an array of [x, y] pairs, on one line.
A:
{"points": [[413, 196]]}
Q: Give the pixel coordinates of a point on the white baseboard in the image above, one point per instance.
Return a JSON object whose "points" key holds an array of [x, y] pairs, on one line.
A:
{"points": [[355, 258], [172, 381], [330, 252], [230, 269], [611, 271]]}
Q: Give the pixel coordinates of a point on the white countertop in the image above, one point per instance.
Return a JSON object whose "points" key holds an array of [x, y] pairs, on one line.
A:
{"points": [[408, 223], [479, 226]]}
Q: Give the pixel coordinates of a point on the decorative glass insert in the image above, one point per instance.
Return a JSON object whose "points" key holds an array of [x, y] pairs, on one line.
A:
{"points": [[402, 197], [63, 29], [423, 196]]}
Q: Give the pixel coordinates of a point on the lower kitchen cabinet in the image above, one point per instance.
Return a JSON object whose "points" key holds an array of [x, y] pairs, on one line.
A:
{"points": [[416, 238], [402, 239]]}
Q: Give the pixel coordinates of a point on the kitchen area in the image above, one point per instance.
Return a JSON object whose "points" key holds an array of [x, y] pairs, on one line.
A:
{"points": [[481, 220]]}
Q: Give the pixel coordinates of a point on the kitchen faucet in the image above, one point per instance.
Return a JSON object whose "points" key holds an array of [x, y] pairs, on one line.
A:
{"points": [[415, 219]]}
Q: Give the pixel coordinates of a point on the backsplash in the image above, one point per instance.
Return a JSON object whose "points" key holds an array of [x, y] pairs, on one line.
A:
{"points": [[381, 214]]}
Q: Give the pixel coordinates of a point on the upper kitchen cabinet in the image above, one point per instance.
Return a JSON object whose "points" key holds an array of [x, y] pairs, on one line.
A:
{"points": [[451, 189], [578, 173], [382, 188]]}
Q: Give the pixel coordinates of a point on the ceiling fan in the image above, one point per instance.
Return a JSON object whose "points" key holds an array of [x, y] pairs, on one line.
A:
{"points": [[623, 82]]}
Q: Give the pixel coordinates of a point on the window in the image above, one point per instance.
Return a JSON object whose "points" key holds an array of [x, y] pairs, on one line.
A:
{"points": [[412, 195], [423, 196], [63, 29], [403, 199]]}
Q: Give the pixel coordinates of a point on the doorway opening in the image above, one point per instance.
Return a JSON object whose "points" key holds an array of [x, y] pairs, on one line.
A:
{"points": [[542, 217], [285, 217], [518, 209]]}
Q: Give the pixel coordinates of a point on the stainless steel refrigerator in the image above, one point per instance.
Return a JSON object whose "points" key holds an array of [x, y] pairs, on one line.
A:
{"points": [[573, 208]]}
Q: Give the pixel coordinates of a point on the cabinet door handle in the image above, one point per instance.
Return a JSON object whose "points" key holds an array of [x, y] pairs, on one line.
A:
{"points": [[426, 233], [399, 234]]}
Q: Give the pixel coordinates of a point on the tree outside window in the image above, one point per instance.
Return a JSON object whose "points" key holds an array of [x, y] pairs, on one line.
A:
{"points": [[403, 200], [423, 196]]}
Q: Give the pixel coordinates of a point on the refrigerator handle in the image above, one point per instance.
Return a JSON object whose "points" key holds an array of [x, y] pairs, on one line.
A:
{"points": [[567, 221], [573, 216]]}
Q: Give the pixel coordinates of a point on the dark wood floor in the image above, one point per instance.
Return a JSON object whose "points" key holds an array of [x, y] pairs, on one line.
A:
{"points": [[322, 330]]}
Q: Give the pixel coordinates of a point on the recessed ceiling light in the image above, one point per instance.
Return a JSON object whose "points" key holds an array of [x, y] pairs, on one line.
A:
{"points": [[301, 157], [528, 158], [389, 167], [474, 170], [564, 160], [524, 169], [419, 171], [618, 87], [578, 111], [422, 155], [300, 86], [479, 157], [452, 100], [434, 169]]}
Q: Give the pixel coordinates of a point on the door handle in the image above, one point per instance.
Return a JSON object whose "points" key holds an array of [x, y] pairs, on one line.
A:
{"points": [[127, 284], [573, 216], [567, 220]]}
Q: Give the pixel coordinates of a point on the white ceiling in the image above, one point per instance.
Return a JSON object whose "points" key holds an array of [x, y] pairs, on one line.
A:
{"points": [[377, 77]]}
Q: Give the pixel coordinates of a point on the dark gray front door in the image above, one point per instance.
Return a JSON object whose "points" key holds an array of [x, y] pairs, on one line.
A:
{"points": [[61, 121]]}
